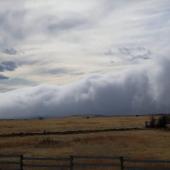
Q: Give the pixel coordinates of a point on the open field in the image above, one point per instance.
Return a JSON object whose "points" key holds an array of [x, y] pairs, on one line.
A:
{"points": [[71, 123], [141, 144]]}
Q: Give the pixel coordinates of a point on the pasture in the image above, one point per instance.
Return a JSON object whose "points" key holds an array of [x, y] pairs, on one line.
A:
{"points": [[138, 144]]}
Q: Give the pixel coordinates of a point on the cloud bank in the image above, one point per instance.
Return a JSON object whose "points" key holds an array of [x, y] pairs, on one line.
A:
{"points": [[137, 91], [95, 57]]}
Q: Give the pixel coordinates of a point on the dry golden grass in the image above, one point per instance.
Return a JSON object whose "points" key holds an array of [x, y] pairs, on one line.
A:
{"points": [[71, 123], [142, 144]]}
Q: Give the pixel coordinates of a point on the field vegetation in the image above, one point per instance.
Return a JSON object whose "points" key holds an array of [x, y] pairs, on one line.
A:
{"points": [[140, 144]]}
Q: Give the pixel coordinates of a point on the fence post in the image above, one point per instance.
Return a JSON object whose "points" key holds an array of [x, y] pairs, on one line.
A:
{"points": [[21, 162], [122, 163], [71, 162]]}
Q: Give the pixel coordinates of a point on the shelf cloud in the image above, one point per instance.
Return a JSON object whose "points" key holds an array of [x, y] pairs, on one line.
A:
{"points": [[137, 91]]}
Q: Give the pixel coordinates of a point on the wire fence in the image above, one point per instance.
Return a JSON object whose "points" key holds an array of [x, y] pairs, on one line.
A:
{"points": [[20, 162]]}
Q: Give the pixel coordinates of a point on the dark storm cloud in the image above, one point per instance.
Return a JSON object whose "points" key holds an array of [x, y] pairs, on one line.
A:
{"points": [[7, 66], [2, 77]]}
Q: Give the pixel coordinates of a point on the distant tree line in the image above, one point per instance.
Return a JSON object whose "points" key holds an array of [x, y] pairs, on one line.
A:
{"points": [[161, 122]]}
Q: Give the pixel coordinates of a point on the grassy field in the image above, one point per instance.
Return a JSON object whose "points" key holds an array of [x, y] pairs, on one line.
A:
{"points": [[71, 123], [137, 144]]}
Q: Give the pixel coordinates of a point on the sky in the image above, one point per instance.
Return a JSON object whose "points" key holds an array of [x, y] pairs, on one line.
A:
{"points": [[62, 58]]}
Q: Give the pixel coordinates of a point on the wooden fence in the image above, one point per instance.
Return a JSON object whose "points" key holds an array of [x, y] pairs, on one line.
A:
{"points": [[20, 162]]}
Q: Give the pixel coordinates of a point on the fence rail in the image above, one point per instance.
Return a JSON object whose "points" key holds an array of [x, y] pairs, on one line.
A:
{"points": [[20, 162]]}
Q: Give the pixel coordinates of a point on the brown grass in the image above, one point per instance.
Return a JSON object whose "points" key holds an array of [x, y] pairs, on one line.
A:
{"points": [[70, 123], [153, 144]]}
